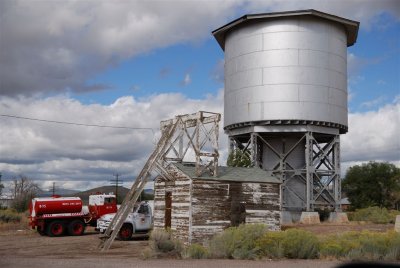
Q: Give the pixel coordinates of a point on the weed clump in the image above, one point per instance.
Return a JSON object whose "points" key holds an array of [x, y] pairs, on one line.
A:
{"points": [[292, 244], [362, 246], [374, 215], [162, 243], [253, 241], [196, 251], [271, 245], [237, 242], [9, 215]]}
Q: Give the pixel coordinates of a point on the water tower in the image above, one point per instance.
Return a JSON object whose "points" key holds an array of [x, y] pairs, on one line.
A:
{"points": [[286, 100]]}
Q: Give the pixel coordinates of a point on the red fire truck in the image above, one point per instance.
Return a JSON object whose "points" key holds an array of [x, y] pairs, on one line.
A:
{"points": [[56, 216]]}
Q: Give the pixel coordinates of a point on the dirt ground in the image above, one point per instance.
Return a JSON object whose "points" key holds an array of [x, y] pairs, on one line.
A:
{"points": [[22, 247]]}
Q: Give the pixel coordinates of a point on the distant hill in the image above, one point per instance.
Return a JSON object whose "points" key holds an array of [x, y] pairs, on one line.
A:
{"points": [[122, 191], [59, 191]]}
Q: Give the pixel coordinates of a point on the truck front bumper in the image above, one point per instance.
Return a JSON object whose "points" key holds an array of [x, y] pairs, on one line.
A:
{"points": [[102, 225]]}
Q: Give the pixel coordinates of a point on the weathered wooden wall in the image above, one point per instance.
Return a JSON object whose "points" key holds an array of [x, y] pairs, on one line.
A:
{"points": [[210, 209], [262, 201], [180, 212], [201, 208], [213, 202]]}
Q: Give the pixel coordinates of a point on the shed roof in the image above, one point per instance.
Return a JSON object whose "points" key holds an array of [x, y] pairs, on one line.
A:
{"points": [[238, 174], [351, 26], [345, 201]]}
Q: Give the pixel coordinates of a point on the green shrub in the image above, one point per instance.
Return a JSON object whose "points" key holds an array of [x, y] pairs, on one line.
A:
{"points": [[362, 246], [338, 246], [292, 243], [393, 252], [374, 246], [393, 214], [271, 246], [9, 215], [373, 214], [196, 251], [300, 244], [161, 241], [238, 242]]}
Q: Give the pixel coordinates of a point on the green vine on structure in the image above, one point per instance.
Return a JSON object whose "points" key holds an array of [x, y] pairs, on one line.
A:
{"points": [[239, 158]]}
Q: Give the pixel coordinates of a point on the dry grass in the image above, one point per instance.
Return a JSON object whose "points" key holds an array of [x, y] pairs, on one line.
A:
{"points": [[17, 222]]}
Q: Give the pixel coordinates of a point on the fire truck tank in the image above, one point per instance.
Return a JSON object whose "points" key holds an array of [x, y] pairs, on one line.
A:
{"points": [[53, 205]]}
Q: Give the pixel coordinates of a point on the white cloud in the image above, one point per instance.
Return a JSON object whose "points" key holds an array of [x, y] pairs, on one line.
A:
{"points": [[86, 156], [373, 136], [374, 103], [186, 80], [381, 82], [54, 46], [58, 45], [355, 64], [365, 11]]}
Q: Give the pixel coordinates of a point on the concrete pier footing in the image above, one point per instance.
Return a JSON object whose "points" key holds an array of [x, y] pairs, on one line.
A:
{"points": [[290, 217], [309, 218], [397, 224]]}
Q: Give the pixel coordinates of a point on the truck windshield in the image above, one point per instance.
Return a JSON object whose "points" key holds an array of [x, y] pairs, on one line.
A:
{"points": [[109, 200], [143, 209]]}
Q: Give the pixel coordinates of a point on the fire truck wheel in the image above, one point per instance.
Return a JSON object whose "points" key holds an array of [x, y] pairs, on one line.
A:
{"points": [[39, 230], [126, 232], [76, 227], [56, 228]]}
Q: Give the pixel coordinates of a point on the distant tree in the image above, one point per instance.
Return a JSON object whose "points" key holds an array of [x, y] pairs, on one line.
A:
{"points": [[24, 190], [238, 158], [146, 196], [373, 184]]}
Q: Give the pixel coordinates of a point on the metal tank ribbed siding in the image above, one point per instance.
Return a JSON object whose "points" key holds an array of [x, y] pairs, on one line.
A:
{"points": [[286, 100], [290, 68]]}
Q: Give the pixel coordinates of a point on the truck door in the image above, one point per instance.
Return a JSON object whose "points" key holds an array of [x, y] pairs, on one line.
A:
{"points": [[144, 217]]}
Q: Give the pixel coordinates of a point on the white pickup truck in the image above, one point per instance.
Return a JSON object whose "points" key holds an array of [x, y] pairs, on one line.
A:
{"points": [[140, 220]]}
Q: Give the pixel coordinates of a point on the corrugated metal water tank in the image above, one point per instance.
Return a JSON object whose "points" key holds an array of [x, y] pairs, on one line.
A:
{"points": [[289, 68]]}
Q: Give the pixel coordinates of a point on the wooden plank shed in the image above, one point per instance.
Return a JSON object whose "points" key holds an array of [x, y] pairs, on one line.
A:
{"points": [[196, 208]]}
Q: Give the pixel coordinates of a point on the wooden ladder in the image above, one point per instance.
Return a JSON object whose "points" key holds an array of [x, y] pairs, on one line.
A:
{"points": [[153, 162]]}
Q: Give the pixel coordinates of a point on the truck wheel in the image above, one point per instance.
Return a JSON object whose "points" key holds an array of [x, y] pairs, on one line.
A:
{"points": [[76, 227], [40, 231], [126, 232], [56, 228]]}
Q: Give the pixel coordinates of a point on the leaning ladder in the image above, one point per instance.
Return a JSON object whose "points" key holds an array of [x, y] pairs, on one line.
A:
{"points": [[127, 205]]}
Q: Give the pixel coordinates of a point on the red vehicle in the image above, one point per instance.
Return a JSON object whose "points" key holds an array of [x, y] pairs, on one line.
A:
{"points": [[56, 216]]}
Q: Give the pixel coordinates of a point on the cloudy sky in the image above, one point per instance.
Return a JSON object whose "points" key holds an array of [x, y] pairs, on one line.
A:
{"points": [[134, 63]]}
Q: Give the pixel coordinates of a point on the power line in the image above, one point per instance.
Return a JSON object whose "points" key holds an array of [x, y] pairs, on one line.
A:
{"points": [[75, 124]]}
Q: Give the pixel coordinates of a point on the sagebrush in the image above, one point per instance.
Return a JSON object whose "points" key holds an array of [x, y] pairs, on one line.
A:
{"points": [[254, 241], [196, 251], [238, 242], [9, 215], [162, 243], [374, 215], [363, 245], [292, 244]]}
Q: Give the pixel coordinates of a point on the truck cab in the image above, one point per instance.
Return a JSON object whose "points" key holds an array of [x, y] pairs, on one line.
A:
{"points": [[101, 204], [140, 220]]}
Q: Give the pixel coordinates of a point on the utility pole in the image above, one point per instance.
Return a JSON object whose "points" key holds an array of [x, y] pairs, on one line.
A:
{"points": [[117, 182], [54, 187]]}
